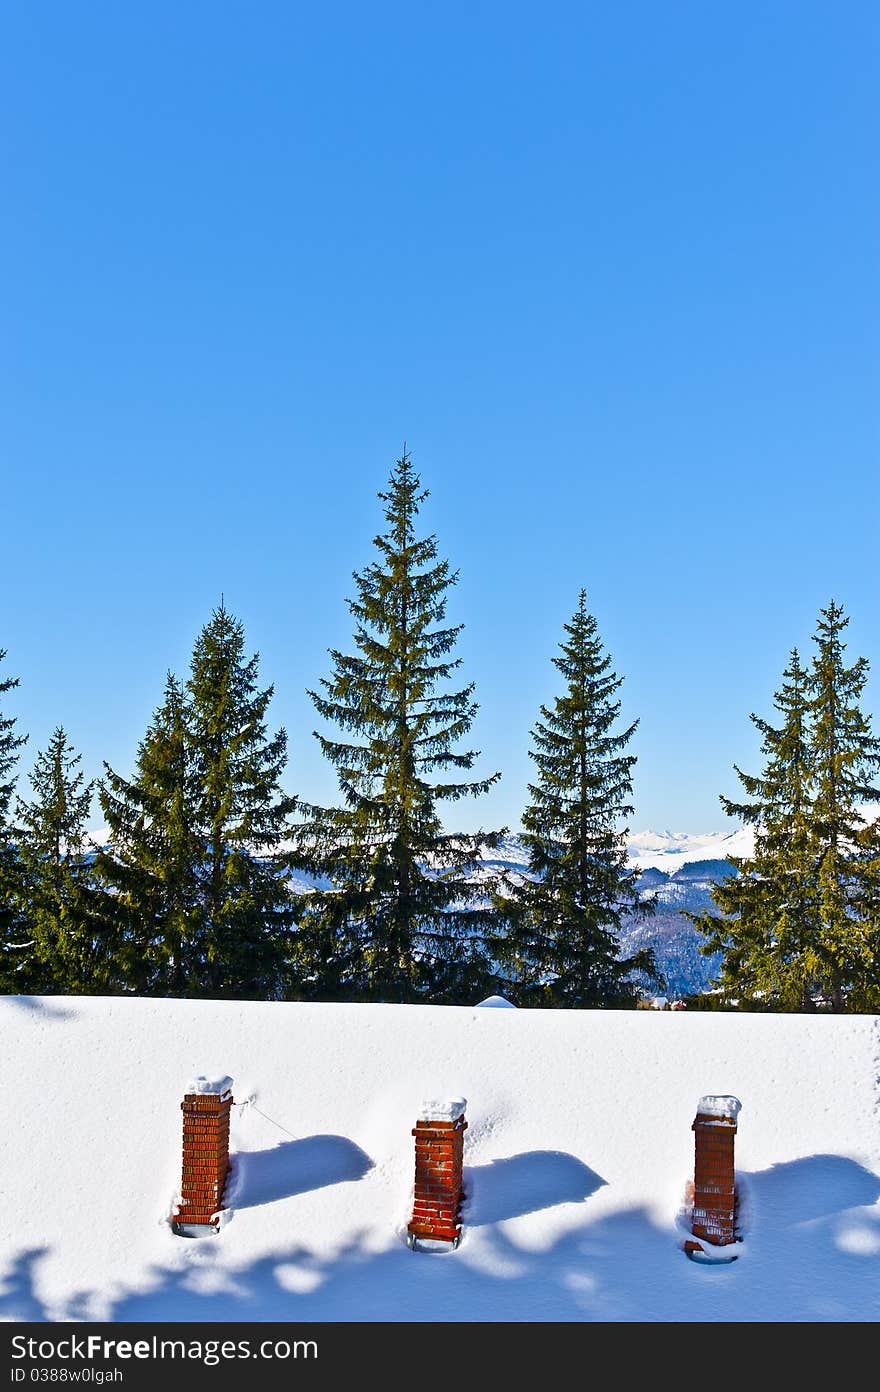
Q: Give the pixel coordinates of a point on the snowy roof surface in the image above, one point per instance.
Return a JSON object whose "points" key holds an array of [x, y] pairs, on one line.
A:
{"points": [[577, 1156]]}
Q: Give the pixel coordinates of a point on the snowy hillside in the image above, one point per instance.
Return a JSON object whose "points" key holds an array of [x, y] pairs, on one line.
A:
{"points": [[578, 1151]]}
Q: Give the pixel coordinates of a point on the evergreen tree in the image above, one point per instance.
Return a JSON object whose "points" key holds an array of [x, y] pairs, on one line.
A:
{"points": [[248, 913], [801, 920], [846, 758], [561, 946], [401, 919], [768, 925], [64, 910], [16, 942], [196, 862], [153, 864]]}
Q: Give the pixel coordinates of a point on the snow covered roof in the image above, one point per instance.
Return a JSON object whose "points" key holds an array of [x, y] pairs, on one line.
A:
{"points": [[577, 1156]]}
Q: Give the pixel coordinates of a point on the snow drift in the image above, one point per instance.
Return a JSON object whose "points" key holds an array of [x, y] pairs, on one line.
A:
{"points": [[577, 1156]]}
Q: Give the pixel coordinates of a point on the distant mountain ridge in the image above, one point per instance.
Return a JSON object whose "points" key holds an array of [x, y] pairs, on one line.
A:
{"points": [[678, 869], [671, 850]]}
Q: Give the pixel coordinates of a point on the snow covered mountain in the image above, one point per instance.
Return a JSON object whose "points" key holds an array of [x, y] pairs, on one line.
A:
{"points": [[668, 851], [661, 850], [672, 850]]}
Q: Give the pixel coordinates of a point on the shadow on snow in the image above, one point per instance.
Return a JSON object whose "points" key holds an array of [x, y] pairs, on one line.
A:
{"points": [[41, 1005], [811, 1225], [18, 1293], [526, 1183], [295, 1167]]}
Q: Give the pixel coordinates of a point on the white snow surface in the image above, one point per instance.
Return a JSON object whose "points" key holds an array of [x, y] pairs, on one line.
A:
{"points": [[497, 1003], [202, 1085], [577, 1156]]}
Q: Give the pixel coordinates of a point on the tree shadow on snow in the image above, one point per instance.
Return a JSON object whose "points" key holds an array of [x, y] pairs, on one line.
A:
{"points": [[490, 1278], [810, 1229], [41, 1005], [18, 1296], [296, 1167], [526, 1183]]}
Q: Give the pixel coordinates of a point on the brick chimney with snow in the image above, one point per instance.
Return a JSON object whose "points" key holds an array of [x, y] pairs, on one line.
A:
{"points": [[714, 1210], [438, 1193], [206, 1106]]}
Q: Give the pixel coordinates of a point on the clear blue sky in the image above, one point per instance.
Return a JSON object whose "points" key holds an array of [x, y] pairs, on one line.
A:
{"points": [[610, 270]]}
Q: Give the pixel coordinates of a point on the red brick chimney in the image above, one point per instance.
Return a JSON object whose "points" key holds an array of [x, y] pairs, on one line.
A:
{"points": [[714, 1211], [206, 1106], [438, 1194]]}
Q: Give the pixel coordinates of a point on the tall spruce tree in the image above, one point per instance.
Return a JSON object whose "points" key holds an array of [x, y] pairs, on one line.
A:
{"points": [[16, 941], [846, 759], [241, 815], [800, 923], [562, 945], [768, 925], [153, 864], [73, 940], [196, 861], [401, 918]]}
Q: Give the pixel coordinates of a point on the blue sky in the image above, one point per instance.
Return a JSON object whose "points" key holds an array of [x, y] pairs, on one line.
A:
{"points": [[611, 271]]}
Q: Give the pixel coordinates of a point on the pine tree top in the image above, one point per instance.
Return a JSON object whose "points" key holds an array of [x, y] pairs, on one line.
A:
{"points": [[391, 688], [781, 793], [846, 753], [53, 821]]}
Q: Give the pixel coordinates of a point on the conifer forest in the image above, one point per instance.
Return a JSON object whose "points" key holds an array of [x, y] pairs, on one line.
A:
{"points": [[218, 880]]}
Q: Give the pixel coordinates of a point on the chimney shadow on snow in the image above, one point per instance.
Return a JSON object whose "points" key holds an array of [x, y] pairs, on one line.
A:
{"points": [[295, 1167], [526, 1183]]}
